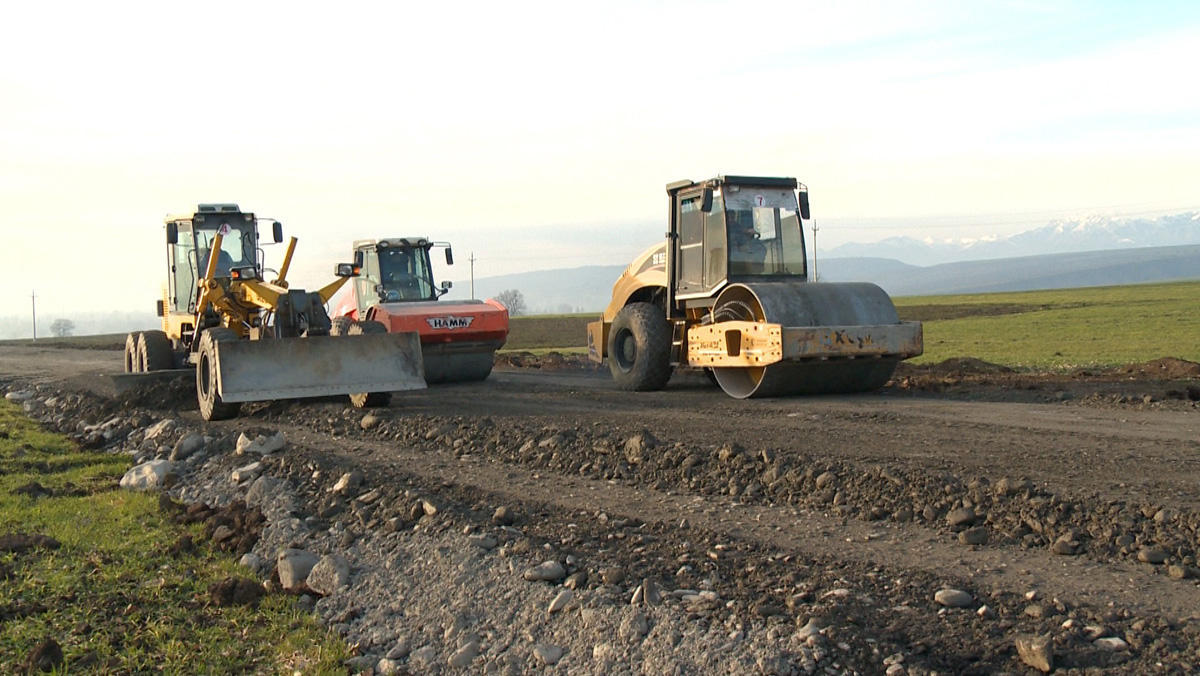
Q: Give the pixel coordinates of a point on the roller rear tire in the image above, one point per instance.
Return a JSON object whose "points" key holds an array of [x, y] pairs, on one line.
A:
{"points": [[639, 348], [211, 405], [368, 399]]}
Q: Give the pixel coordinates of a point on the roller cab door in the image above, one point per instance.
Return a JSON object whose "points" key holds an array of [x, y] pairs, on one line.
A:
{"points": [[689, 268]]}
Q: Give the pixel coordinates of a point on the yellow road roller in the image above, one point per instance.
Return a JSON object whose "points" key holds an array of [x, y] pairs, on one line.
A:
{"points": [[728, 291]]}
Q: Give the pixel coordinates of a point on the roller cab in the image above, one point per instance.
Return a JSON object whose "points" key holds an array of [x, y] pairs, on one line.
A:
{"points": [[728, 291], [458, 339]]}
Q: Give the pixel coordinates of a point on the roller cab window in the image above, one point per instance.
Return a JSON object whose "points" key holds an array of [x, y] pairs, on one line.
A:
{"points": [[404, 274], [764, 230]]}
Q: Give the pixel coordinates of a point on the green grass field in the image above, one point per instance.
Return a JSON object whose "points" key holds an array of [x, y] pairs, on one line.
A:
{"points": [[112, 596], [1058, 329]]}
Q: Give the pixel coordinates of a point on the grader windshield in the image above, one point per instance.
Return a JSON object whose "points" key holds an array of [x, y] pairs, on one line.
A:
{"points": [[238, 246]]}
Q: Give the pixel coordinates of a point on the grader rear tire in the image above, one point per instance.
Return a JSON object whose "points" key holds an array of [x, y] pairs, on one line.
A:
{"points": [[211, 406], [368, 399], [639, 348], [154, 351], [132, 364]]}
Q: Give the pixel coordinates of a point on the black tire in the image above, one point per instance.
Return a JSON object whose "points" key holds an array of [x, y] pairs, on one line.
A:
{"points": [[340, 326], [154, 351], [368, 399], [211, 406], [132, 365], [639, 348]]}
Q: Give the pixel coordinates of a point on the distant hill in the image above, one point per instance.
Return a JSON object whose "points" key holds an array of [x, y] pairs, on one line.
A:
{"points": [[1052, 271], [588, 289], [1095, 233]]}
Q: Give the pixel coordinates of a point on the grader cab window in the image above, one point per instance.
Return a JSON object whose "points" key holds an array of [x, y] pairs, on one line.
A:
{"points": [[237, 248]]}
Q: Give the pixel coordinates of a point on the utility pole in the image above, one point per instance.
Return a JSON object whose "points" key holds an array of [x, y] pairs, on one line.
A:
{"points": [[816, 277], [33, 303], [472, 259]]}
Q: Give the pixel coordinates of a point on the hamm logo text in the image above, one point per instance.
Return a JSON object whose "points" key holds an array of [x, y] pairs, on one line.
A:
{"points": [[450, 322]]}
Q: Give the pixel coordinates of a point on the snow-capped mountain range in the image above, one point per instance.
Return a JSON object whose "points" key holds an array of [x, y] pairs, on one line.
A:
{"points": [[1093, 233]]}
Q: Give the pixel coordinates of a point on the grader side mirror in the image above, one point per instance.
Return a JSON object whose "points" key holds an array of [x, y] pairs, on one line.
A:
{"points": [[172, 233], [804, 211], [277, 231], [347, 270], [449, 256], [706, 200]]}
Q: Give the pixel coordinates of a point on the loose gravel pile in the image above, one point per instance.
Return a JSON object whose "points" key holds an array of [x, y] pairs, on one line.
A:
{"points": [[435, 577]]}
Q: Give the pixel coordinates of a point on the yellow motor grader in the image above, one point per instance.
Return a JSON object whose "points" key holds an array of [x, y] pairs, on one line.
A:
{"points": [[251, 340], [728, 292]]}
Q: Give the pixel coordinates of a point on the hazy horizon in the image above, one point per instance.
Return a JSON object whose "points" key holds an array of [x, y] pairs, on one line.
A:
{"points": [[541, 135]]}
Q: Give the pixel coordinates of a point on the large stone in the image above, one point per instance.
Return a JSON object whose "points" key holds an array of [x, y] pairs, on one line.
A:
{"points": [[961, 517], [547, 654], [561, 601], [547, 571], [330, 574], [1152, 555], [294, 566], [348, 482], [151, 475], [1037, 652], [187, 446], [160, 430], [466, 654], [953, 598], [637, 446], [19, 395], [264, 489], [260, 445], [246, 472]]}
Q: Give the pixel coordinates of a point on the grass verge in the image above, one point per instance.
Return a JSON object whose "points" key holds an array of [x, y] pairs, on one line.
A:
{"points": [[112, 595]]}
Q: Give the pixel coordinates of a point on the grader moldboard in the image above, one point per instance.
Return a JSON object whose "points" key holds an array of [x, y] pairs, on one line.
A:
{"points": [[253, 340], [728, 292], [396, 292]]}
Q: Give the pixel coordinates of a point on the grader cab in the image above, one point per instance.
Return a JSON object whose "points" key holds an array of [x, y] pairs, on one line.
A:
{"points": [[728, 291], [250, 339]]}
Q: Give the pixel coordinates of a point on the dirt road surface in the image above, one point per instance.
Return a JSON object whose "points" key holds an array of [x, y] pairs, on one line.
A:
{"points": [[1063, 505]]}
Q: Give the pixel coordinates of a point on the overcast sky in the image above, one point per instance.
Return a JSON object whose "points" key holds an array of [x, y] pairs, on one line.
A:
{"points": [[541, 135]]}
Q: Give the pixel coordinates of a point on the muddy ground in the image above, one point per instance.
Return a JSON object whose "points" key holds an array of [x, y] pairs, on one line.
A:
{"points": [[1064, 505]]}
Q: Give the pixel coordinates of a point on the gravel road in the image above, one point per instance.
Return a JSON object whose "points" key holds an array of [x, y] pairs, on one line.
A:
{"points": [[1063, 506]]}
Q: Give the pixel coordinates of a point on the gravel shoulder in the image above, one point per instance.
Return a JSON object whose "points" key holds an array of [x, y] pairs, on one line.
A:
{"points": [[1062, 506]]}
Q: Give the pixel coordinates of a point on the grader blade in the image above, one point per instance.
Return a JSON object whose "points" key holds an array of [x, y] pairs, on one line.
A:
{"points": [[294, 368]]}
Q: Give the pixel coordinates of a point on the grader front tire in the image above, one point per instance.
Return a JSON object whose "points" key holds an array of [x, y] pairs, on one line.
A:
{"points": [[211, 405]]}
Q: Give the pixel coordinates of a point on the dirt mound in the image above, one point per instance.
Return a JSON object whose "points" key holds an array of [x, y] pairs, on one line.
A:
{"points": [[1167, 368], [958, 367], [172, 393], [550, 361]]}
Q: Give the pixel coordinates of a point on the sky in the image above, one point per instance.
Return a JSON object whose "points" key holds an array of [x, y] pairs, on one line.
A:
{"points": [[541, 135]]}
